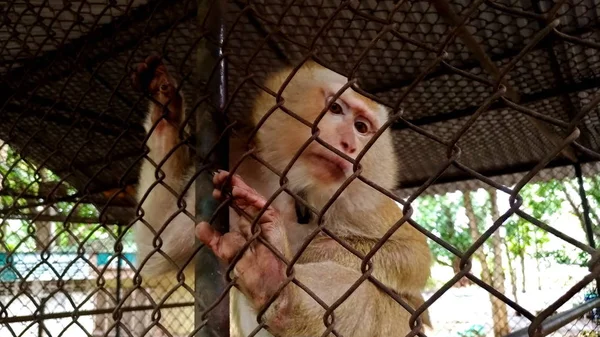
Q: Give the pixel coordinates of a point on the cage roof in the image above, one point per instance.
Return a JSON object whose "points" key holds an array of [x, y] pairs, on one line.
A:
{"points": [[67, 103]]}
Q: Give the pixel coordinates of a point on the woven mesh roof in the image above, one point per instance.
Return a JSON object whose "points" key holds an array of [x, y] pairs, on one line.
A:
{"points": [[68, 103]]}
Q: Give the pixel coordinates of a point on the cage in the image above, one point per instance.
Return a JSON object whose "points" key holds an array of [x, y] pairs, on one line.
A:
{"points": [[494, 122]]}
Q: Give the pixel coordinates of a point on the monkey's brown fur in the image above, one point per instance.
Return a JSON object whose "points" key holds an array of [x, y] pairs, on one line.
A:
{"points": [[360, 216], [159, 203]]}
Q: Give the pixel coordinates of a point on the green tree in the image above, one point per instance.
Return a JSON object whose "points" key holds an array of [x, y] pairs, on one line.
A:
{"points": [[32, 222], [438, 213], [479, 212]]}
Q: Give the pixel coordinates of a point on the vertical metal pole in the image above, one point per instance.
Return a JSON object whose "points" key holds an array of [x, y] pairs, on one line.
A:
{"points": [[42, 312], [119, 251], [586, 214], [210, 273], [586, 206]]}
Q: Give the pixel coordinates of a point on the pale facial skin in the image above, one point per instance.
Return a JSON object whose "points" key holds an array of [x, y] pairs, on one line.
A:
{"points": [[347, 126]]}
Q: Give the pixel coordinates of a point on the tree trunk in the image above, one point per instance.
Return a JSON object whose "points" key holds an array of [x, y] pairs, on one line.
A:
{"points": [[43, 229], [574, 206], [499, 314], [538, 261], [511, 273], [499, 310], [523, 283], [463, 282]]}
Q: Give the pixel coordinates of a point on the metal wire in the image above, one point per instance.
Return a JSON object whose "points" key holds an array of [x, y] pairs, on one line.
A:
{"points": [[484, 94]]}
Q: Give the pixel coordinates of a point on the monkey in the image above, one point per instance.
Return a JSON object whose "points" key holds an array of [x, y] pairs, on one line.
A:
{"points": [[158, 197], [405, 249], [359, 216]]}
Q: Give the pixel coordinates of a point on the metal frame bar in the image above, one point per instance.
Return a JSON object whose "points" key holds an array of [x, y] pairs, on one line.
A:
{"points": [[559, 320], [210, 281]]}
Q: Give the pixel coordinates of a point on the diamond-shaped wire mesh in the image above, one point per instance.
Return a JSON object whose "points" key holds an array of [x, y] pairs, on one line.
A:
{"points": [[494, 123]]}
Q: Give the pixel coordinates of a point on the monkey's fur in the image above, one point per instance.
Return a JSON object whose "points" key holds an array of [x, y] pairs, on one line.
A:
{"points": [[159, 198], [360, 216]]}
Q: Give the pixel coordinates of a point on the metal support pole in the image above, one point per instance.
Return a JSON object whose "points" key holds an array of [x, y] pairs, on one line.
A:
{"points": [[42, 311], [210, 273], [586, 206], [119, 252], [586, 214], [560, 320]]}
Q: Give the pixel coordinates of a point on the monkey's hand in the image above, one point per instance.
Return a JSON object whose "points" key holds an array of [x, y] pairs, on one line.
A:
{"points": [[259, 272], [151, 77]]}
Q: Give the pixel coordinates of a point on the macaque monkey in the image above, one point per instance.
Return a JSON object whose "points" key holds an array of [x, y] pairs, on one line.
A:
{"points": [[159, 202], [360, 216]]}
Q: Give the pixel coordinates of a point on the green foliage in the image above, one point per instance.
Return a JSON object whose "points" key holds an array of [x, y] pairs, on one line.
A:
{"points": [[592, 189], [482, 208], [589, 333], [546, 201], [577, 258], [16, 174], [22, 182], [541, 201], [518, 235], [439, 213]]}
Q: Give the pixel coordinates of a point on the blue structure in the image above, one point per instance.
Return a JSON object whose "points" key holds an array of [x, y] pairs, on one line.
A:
{"points": [[53, 266]]}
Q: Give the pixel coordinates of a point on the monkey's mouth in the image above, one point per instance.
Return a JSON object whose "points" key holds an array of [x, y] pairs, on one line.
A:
{"points": [[333, 163]]}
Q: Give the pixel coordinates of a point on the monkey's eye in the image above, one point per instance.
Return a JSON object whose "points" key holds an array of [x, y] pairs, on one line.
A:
{"points": [[336, 109], [361, 127]]}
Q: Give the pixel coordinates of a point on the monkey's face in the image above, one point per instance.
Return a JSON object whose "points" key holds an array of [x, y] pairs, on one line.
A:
{"points": [[348, 125]]}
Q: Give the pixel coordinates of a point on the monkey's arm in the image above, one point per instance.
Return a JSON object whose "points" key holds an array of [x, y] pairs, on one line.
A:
{"points": [[163, 175], [402, 263], [366, 312], [260, 273]]}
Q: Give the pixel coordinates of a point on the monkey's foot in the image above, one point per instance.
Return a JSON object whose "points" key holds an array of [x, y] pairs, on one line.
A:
{"points": [[151, 76], [260, 273]]}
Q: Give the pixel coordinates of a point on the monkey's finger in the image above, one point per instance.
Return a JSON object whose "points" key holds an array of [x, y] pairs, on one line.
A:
{"points": [[221, 177], [247, 198], [217, 194], [245, 220], [225, 246]]}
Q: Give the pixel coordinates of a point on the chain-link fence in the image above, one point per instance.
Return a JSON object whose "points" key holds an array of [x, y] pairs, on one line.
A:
{"points": [[106, 158]]}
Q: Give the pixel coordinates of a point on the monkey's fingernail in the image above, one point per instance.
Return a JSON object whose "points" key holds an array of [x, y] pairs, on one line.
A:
{"points": [[214, 173]]}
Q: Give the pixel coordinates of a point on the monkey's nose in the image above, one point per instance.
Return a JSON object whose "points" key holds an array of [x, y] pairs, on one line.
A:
{"points": [[350, 149]]}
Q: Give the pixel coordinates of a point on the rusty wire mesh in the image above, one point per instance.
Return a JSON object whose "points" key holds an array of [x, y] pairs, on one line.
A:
{"points": [[497, 96]]}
